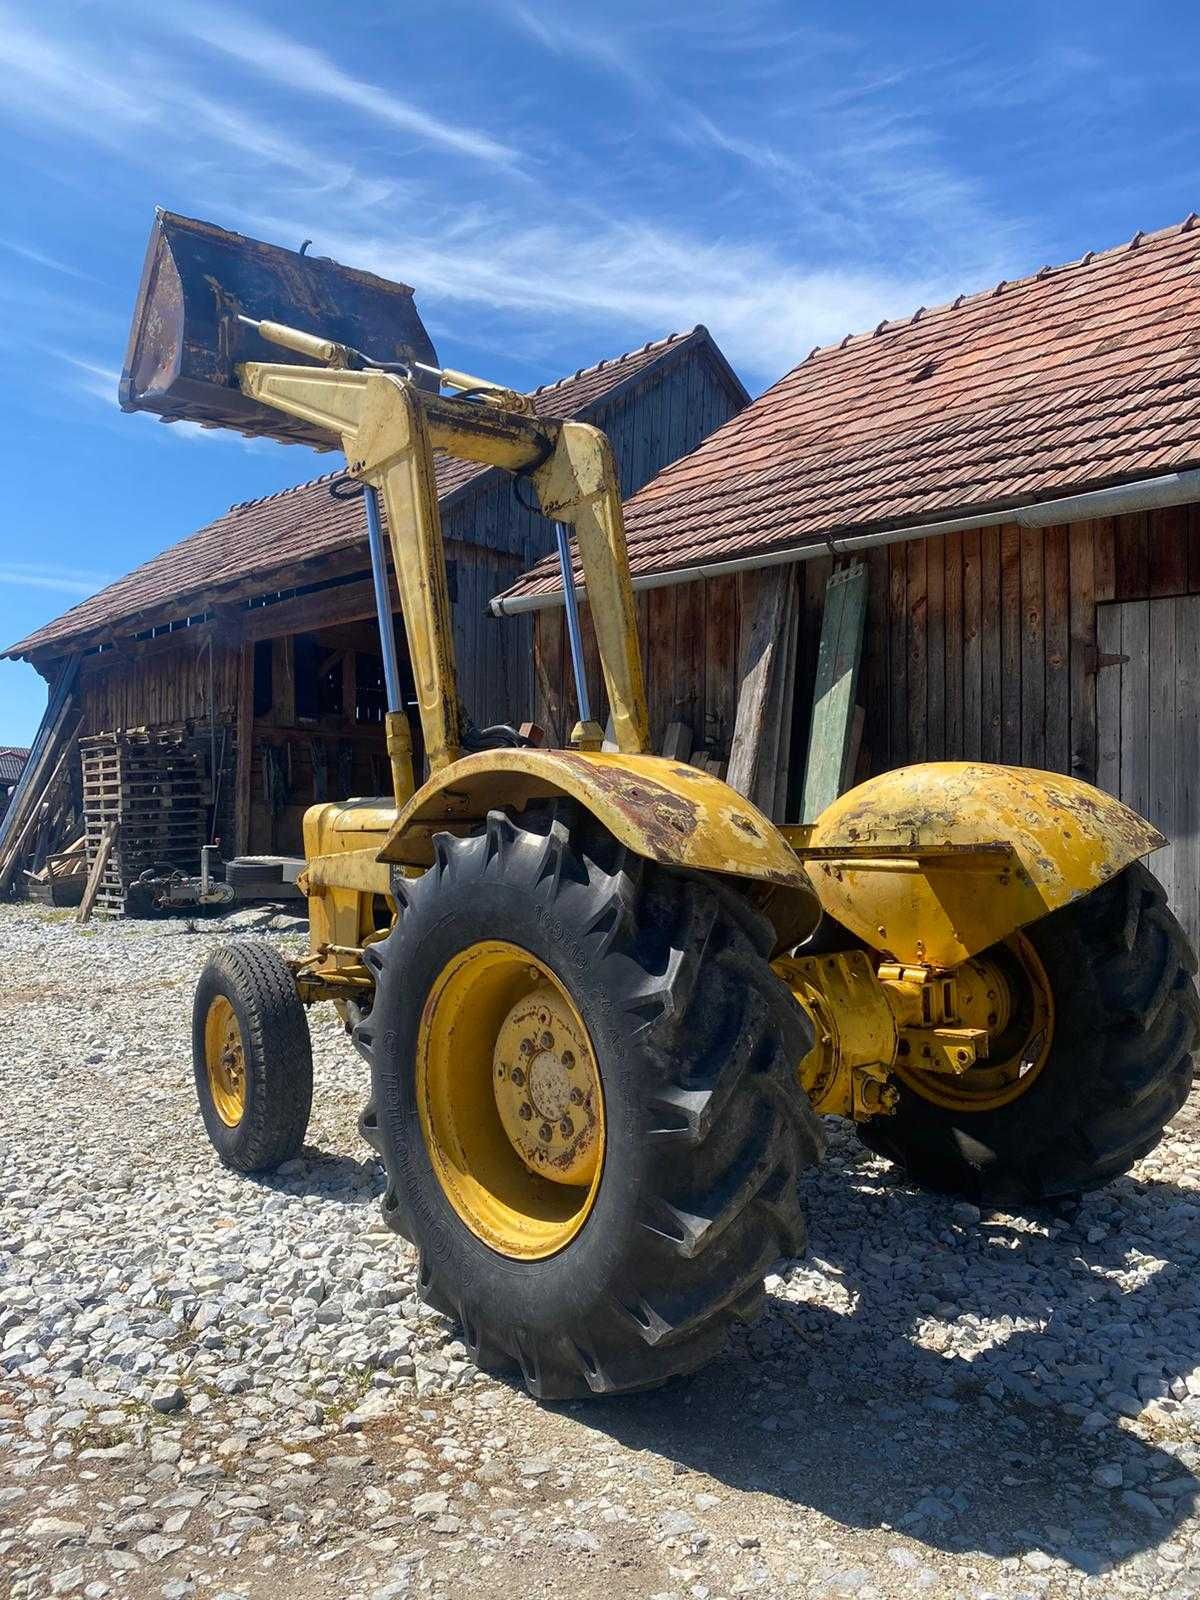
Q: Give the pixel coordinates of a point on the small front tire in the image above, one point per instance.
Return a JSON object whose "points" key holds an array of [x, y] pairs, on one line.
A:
{"points": [[252, 1057]]}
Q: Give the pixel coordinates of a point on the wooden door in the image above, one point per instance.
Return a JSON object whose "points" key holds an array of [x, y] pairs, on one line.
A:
{"points": [[1148, 721]]}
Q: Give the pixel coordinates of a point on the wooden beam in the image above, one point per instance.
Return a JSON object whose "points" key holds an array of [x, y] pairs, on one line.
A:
{"points": [[834, 688], [309, 613], [34, 798], [770, 614], [245, 749], [92, 889], [677, 742]]}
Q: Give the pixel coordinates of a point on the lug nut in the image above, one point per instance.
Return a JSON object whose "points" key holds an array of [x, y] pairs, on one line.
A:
{"points": [[526, 1047], [547, 1132], [576, 1097], [566, 1127], [568, 1059], [547, 1040], [518, 1077], [526, 1111]]}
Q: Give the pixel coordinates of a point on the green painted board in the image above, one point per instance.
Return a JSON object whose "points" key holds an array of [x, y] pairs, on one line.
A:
{"points": [[834, 689]]}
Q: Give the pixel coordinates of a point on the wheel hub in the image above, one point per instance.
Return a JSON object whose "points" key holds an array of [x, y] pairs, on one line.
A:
{"points": [[1006, 992], [225, 1061], [546, 1088], [510, 1100]]}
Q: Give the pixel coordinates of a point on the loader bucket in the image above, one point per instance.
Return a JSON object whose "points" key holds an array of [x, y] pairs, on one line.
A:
{"points": [[186, 340]]}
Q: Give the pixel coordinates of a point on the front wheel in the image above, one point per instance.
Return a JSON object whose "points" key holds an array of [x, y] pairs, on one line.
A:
{"points": [[1095, 1060], [252, 1057], [584, 1094]]}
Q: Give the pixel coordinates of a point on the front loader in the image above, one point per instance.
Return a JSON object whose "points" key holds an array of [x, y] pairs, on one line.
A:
{"points": [[605, 1000]]}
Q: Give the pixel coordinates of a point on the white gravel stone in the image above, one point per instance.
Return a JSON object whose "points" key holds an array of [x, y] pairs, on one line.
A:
{"points": [[213, 1385]]}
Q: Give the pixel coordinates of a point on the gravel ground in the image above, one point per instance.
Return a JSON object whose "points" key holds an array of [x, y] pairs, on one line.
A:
{"points": [[214, 1386]]}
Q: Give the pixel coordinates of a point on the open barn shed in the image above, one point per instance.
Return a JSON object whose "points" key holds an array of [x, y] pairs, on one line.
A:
{"points": [[254, 639], [972, 533]]}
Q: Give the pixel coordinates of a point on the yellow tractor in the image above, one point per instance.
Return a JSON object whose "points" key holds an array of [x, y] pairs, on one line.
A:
{"points": [[604, 1000]]}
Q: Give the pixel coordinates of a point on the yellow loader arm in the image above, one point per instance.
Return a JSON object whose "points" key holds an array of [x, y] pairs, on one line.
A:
{"points": [[389, 430]]}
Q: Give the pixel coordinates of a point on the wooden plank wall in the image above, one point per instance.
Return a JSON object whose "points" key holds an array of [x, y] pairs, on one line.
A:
{"points": [[689, 637], [162, 681], [982, 646], [650, 426], [978, 646], [1148, 715]]}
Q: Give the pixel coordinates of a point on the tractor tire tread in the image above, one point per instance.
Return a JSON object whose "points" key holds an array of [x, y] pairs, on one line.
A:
{"points": [[1127, 1023], [718, 1037], [278, 1052]]}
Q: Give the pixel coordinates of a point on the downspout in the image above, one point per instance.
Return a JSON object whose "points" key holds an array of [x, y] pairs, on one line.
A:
{"points": [[1148, 494]]}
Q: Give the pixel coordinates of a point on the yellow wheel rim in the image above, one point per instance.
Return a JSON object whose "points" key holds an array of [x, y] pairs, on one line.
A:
{"points": [[225, 1061], [1006, 991], [510, 1100]]}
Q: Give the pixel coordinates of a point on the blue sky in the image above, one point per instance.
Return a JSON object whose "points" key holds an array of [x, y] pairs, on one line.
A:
{"points": [[559, 182]]}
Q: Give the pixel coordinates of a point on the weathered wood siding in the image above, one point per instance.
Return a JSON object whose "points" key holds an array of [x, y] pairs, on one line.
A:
{"points": [[649, 426], [978, 646], [983, 646], [160, 682], [689, 639], [1148, 722]]}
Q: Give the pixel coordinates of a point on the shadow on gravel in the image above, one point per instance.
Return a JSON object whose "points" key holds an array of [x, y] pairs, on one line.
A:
{"points": [[341, 1179], [848, 1415]]}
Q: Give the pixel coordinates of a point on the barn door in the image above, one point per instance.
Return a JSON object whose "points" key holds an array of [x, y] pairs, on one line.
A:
{"points": [[1148, 722]]}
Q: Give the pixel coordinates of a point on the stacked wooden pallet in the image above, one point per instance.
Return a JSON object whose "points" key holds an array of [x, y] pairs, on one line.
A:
{"points": [[144, 800]]}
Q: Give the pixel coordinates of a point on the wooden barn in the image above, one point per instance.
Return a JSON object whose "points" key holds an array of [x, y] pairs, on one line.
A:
{"points": [[12, 764], [254, 638], [994, 505]]}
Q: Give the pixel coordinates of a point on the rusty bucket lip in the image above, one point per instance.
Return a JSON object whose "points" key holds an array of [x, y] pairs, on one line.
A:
{"points": [[181, 353]]}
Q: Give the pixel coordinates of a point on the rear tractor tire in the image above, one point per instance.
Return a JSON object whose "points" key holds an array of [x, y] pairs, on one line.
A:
{"points": [[252, 1057], [584, 1095], [1113, 1060]]}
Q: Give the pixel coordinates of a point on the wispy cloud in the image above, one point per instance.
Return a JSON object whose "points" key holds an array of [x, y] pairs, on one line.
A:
{"points": [[40, 258], [62, 580], [585, 38], [91, 378], [278, 57], [97, 382], [765, 311], [831, 219], [46, 79], [69, 85]]}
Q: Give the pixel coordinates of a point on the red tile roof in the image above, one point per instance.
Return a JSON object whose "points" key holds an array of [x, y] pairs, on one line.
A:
{"points": [[1074, 378], [12, 762], [272, 536]]}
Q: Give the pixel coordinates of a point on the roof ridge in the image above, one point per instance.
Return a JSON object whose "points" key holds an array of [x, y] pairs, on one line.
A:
{"points": [[1006, 285], [280, 494], [615, 361]]}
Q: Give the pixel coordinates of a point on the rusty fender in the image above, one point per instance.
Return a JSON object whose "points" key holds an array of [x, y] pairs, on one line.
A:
{"points": [[944, 859], [662, 810]]}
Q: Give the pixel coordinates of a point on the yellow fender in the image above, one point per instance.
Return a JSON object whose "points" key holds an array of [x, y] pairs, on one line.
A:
{"points": [[660, 809], [944, 859]]}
